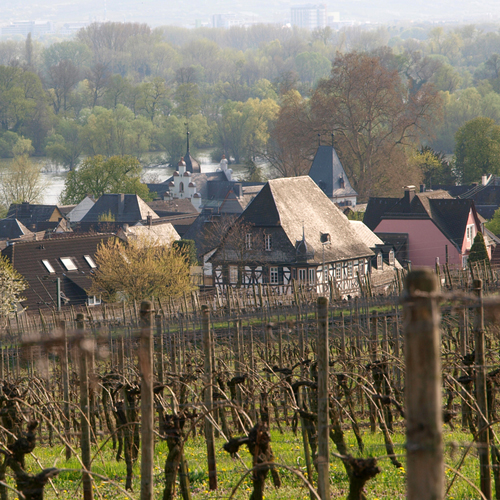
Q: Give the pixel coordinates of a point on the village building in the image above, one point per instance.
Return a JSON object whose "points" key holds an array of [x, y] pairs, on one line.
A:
{"points": [[37, 217], [431, 226], [111, 211], [69, 260], [217, 191], [329, 174], [292, 231]]}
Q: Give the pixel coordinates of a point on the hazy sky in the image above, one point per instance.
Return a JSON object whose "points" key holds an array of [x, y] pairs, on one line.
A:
{"points": [[186, 12]]}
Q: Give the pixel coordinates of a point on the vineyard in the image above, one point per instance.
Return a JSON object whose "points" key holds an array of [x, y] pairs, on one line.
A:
{"points": [[256, 396]]}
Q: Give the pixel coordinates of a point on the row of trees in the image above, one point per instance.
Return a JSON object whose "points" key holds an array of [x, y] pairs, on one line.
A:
{"points": [[125, 89]]}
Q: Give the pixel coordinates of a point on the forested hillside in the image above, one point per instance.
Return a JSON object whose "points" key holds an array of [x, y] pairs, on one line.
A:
{"points": [[257, 93]]}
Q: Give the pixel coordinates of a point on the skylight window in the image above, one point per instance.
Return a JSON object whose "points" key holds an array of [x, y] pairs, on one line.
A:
{"points": [[48, 266], [68, 263], [90, 261]]}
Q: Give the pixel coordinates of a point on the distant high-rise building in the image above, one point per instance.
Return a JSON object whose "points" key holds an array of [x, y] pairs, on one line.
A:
{"points": [[309, 16], [36, 28]]}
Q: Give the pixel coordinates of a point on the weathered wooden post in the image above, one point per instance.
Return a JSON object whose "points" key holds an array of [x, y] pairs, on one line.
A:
{"points": [[424, 442], [208, 398], [483, 441], [65, 381], [147, 400], [323, 371], [88, 493]]}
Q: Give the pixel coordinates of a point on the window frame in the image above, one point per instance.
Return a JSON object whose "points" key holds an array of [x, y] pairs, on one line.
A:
{"points": [[69, 263], [248, 241], [48, 266], [268, 242], [273, 276], [233, 271], [90, 261]]}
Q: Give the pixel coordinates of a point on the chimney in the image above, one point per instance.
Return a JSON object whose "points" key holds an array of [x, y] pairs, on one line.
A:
{"points": [[149, 218], [409, 193], [484, 179], [422, 188], [121, 203]]}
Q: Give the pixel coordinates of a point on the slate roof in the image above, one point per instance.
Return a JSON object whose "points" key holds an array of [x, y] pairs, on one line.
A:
{"points": [[299, 207], [126, 208], [33, 216], [375, 209], [449, 214], [11, 229], [165, 208], [327, 171], [192, 165], [26, 257]]}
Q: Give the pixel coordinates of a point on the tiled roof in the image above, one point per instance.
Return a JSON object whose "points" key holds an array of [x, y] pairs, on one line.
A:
{"points": [[299, 207], [27, 256]]}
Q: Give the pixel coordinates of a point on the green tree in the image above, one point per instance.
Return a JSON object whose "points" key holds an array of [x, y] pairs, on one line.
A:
{"points": [[243, 127], [494, 223], [99, 175], [140, 270], [12, 285], [478, 251], [64, 146], [477, 149], [22, 180], [434, 167]]}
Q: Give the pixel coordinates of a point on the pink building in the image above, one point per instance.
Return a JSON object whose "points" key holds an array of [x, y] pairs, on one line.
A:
{"points": [[434, 226]]}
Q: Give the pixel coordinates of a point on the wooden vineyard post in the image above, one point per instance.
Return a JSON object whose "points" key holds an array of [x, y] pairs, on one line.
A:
{"points": [[88, 493], [424, 440], [482, 401], [147, 400], [323, 429], [208, 398], [65, 381]]}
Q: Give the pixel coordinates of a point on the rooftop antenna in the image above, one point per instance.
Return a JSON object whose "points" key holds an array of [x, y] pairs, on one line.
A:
{"points": [[319, 139], [303, 230]]}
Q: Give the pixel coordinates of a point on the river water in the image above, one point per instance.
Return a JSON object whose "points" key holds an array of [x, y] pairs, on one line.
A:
{"points": [[55, 177]]}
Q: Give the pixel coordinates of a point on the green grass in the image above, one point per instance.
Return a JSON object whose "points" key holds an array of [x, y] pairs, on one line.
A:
{"points": [[287, 448]]}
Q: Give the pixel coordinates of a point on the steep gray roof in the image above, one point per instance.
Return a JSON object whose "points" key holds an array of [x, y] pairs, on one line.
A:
{"points": [[128, 208], [299, 206], [327, 172], [11, 229]]}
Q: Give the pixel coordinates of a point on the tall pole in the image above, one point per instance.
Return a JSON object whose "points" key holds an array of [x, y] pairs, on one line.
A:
{"points": [[208, 398], [323, 371], [88, 493], [424, 425], [147, 401], [482, 401]]}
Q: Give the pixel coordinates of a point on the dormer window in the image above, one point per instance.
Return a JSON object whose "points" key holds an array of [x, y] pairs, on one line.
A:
{"points": [[90, 261], [379, 261], [48, 266], [391, 258], [68, 263]]}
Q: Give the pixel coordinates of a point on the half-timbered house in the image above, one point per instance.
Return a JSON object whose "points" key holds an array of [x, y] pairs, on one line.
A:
{"points": [[292, 231]]}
